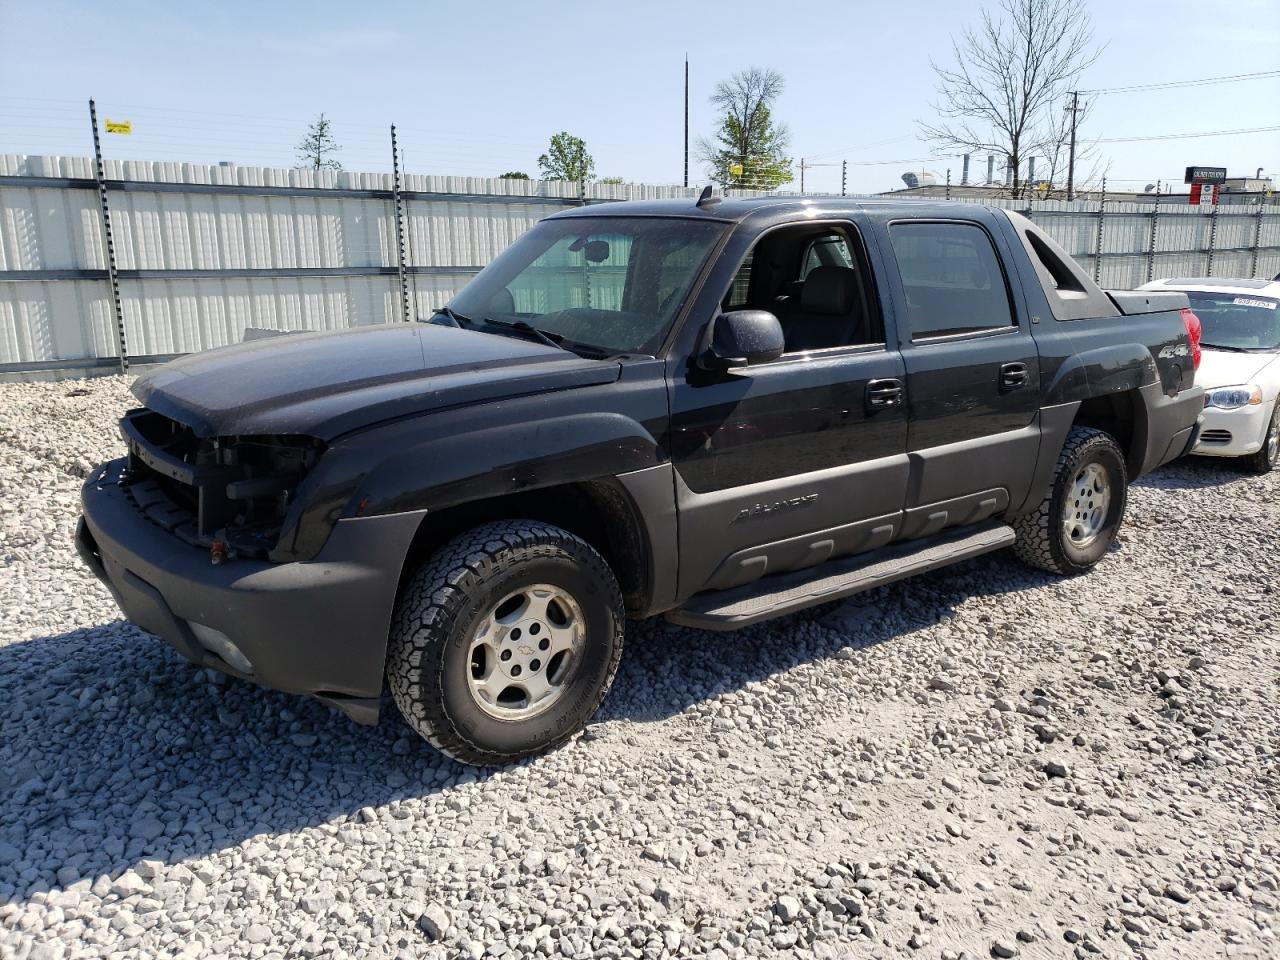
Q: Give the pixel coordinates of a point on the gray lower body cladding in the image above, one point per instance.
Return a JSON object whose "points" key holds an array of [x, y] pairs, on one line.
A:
{"points": [[317, 627], [1172, 424]]}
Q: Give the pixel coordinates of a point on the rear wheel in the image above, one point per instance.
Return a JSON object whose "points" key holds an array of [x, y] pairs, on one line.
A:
{"points": [[1264, 461], [505, 642], [1077, 521]]}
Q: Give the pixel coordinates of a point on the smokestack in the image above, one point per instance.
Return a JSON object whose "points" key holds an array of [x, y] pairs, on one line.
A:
{"points": [[991, 168], [964, 172]]}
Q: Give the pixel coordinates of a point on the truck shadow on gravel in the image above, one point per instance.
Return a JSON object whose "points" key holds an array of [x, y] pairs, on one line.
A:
{"points": [[1195, 473], [116, 750], [667, 669]]}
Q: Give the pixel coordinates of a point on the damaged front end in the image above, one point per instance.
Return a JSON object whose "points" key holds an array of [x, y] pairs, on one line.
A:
{"points": [[229, 495]]}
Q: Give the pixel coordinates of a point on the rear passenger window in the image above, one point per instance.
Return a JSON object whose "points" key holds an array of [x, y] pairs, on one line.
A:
{"points": [[952, 279]]}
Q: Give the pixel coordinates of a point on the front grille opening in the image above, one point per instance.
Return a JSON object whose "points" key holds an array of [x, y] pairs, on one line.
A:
{"points": [[1215, 436], [231, 489]]}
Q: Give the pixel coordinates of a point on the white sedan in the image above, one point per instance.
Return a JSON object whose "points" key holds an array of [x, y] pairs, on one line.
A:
{"points": [[1240, 339]]}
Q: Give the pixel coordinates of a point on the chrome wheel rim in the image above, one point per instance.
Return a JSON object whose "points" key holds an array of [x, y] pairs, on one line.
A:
{"points": [[524, 651], [1273, 440], [1084, 512]]}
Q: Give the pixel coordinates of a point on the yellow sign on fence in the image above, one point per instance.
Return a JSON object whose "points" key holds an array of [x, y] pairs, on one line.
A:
{"points": [[119, 126]]}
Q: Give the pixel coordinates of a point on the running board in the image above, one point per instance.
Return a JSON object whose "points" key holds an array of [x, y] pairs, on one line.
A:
{"points": [[786, 593]]}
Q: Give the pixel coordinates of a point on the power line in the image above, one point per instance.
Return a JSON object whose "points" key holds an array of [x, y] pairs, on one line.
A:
{"points": [[1188, 136], [1203, 81], [864, 146]]}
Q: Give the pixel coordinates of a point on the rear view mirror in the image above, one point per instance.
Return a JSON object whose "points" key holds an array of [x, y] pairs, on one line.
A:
{"points": [[741, 338], [595, 251]]}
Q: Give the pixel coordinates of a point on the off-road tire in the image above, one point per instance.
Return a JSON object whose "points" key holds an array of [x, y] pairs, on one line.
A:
{"points": [[1042, 541], [428, 660], [1264, 461]]}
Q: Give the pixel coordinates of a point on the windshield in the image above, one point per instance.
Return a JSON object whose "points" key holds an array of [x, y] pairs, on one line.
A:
{"points": [[1237, 322], [603, 284]]}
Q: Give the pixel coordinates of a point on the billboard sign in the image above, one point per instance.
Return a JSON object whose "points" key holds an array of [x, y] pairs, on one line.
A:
{"points": [[1206, 175]]}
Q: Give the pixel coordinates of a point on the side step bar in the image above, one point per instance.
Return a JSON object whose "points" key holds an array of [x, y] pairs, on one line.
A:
{"points": [[786, 593]]}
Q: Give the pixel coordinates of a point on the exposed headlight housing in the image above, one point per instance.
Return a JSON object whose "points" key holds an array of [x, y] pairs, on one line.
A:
{"points": [[1232, 398], [230, 495]]}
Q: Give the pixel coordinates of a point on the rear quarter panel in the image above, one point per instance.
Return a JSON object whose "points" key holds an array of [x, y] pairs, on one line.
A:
{"points": [[1144, 356]]}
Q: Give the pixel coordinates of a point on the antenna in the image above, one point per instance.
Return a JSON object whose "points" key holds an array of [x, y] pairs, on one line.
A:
{"points": [[705, 199]]}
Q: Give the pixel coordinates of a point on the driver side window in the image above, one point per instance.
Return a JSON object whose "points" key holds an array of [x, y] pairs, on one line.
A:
{"points": [[815, 280]]}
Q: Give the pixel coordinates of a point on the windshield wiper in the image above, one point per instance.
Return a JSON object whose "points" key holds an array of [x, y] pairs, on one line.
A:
{"points": [[455, 319], [1220, 346], [542, 336]]}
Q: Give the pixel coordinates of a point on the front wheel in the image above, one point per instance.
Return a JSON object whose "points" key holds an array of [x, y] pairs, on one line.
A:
{"points": [[1264, 461], [1077, 521], [505, 642]]}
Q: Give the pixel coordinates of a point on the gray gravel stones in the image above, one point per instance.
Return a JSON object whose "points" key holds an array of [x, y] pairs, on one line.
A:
{"points": [[434, 921], [788, 909], [871, 779]]}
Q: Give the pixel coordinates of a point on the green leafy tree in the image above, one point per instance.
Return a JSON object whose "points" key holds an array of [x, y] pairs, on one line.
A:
{"points": [[749, 149], [567, 159], [513, 175], [616, 181], [315, 151]]}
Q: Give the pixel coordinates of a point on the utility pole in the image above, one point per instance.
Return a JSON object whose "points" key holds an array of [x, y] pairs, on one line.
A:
{"points": [[1071, 151], [686, 121], [844, 176], [802, 174]]}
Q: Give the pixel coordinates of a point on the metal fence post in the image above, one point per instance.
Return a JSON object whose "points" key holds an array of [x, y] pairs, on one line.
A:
{"points": [[100, 174], [1102, 212], [1213, 237], [1151, 245], [399, 210], [1257, 239]]}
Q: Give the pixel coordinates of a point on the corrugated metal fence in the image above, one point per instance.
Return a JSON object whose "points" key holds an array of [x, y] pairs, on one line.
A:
{"points": [[205, 251]]}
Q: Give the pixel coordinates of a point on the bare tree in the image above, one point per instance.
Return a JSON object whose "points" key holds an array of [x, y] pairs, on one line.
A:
{"points": [[749, 148], [1011, 73]]}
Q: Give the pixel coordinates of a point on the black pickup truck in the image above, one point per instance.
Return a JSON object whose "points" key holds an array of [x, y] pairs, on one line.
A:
{"points": [[718, 412]]}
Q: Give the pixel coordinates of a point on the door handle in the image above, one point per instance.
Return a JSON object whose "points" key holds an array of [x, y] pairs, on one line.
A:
{"points": [[884, 393], [1013, 375]]}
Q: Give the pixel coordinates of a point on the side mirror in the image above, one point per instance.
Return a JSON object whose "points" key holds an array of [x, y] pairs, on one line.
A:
{"points": [[740, 338]]}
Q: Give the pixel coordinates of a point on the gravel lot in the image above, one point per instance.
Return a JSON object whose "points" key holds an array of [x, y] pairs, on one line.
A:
{"points": [[981, 762]]}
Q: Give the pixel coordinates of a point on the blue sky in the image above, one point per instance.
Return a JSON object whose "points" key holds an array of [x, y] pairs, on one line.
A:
{"points": [[478, 88]]}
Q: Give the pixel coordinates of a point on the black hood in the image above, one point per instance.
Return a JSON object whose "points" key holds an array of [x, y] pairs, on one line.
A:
{"points": [[326, 384]]}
